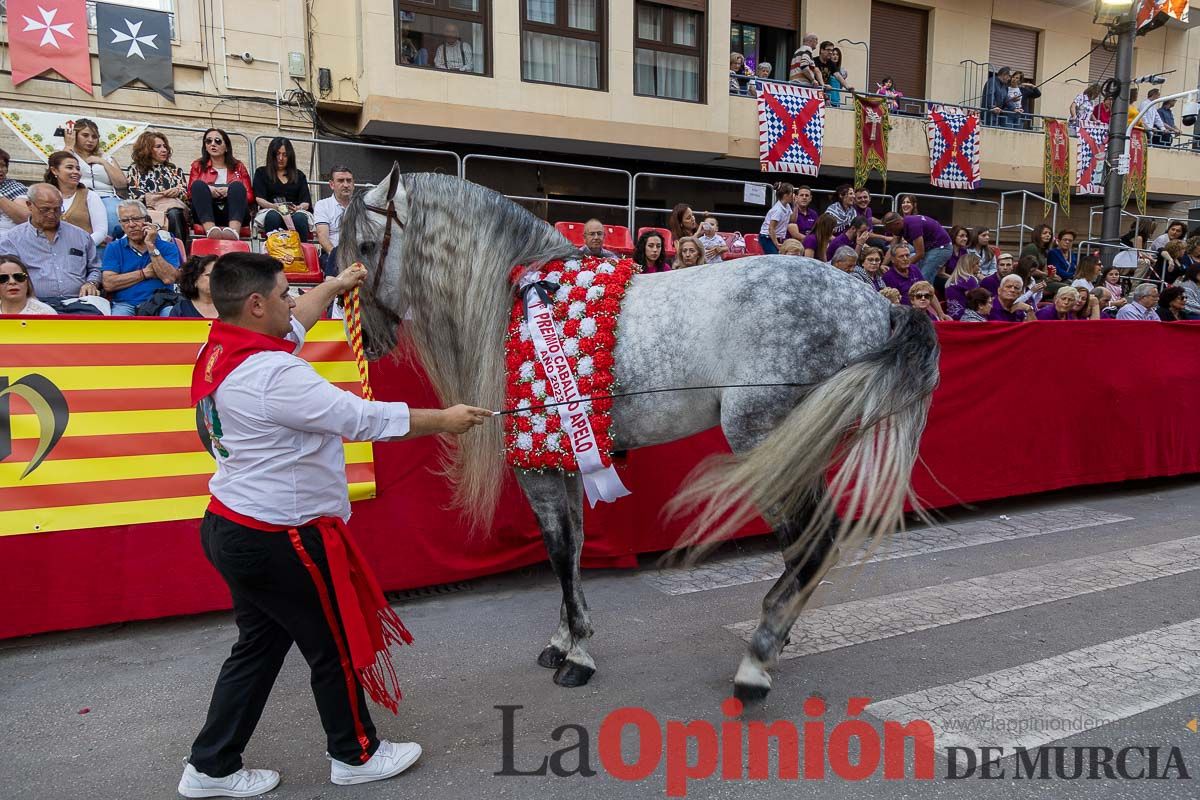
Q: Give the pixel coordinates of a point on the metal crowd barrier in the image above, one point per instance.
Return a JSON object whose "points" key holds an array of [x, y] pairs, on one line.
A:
{"points": [[1021, 227], [627, 207]]}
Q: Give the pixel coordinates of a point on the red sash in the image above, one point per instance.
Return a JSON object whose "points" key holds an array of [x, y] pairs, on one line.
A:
{"points": [[371, 624]]}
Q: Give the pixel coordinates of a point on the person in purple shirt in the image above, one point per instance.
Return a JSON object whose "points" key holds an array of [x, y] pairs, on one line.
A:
{"points": [[901, 276], [853, 237], [960, 237], [862, 205], [1006, 307], [964, 278], [1063, 308], [804, 217], [931, 243]]}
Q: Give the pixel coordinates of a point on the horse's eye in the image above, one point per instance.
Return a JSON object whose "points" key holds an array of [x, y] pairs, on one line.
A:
{"points": [[367, 248]]}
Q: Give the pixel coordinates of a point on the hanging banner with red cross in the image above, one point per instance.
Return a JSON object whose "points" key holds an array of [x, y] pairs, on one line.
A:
{"points": [[791, 127], [1089, 159], [953, 135], [1135, 181], [1056, 165]]}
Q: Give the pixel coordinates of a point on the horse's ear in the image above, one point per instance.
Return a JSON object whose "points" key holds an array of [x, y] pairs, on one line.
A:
{"points": [[394, 184]]}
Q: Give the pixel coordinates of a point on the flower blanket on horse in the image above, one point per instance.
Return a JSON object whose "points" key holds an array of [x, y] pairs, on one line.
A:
{"points": [[577, 335]]}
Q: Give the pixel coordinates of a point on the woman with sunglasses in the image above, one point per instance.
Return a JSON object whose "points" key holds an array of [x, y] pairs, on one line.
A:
{"points": [[921, 297], [221, 190], [16, 290]]}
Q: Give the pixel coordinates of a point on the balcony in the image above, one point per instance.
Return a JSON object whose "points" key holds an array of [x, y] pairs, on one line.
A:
{"points": [[1010, 159]]}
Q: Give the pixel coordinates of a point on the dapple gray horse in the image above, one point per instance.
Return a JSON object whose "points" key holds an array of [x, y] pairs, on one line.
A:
{"points": [[850, 378]]}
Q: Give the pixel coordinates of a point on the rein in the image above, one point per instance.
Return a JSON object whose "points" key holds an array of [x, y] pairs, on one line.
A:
{"points": [[352, 303]]}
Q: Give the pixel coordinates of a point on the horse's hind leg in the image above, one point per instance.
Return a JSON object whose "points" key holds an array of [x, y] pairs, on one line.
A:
{"points": [[557, 502], [781, 607]]}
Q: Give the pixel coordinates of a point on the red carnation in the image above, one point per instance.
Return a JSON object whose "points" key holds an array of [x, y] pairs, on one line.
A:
{"points": [[539, 441], [524, 424], [603, 360], [585, 385], [601, 423], [553, 423], [577, 294], [605, 339], [603, 404], [571, 328], [602, 383], [587, 346], [552, 460]]}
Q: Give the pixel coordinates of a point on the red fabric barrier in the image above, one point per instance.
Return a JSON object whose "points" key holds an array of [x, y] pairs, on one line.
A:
{"points": [[1020, 409]]}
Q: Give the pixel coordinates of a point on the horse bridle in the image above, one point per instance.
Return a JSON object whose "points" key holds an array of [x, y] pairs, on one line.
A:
{"points": [[390, 213]]}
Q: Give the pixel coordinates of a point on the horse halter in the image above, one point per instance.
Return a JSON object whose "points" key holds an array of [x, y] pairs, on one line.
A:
{"points": [[390, 213]]}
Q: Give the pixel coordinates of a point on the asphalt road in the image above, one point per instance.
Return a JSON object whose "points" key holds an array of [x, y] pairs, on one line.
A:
{"points": [[1066, 621]]}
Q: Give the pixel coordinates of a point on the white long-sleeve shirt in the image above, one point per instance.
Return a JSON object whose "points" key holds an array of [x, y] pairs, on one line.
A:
{"points": [[282, 426]]}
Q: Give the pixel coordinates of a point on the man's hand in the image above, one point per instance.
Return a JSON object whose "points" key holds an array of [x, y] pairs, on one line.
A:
{"points": [[88, 290], [351, 277], [461, 418]]}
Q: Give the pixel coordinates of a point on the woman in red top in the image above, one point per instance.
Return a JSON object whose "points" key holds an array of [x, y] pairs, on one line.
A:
{"points": [[1103, 111], [220, 188]]}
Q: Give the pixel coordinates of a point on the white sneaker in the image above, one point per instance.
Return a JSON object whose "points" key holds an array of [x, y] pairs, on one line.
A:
{"points": [[230, 233], [215, 233], [389, 760], [243, 783]]}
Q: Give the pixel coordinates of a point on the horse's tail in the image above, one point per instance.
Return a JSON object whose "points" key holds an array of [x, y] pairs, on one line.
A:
{"points": [[863, 423]]}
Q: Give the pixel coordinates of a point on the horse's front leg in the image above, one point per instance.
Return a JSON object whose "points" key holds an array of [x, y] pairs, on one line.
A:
{"points": [[557, 502]]}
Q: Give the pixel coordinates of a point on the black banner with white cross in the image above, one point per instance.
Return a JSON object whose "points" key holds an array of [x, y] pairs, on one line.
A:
{"points": [[134, 45]]}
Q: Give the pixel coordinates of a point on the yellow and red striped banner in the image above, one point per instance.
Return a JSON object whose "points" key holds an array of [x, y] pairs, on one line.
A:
{"points": [[127, 450]]}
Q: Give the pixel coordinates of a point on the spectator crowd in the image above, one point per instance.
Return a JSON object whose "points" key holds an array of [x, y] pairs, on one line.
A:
{"points": [[94, 237]]}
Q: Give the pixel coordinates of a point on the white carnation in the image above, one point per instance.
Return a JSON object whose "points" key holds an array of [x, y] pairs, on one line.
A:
{"points": [[526, 371], [576, 309], [553, 441], [585, 278], [523, 332], [562, 294], [539, 423], [571, 347], [584, 366], [595, 292], [539, 389], [525, 441], [524, 403], [588, 326], [606, 268], [572, 266], [554, 277]]}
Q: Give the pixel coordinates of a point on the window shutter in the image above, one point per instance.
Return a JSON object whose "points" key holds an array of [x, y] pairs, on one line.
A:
{"points": [[1102, 65], [690, 5], [769, 13], [1015, 48], [898, 47]]}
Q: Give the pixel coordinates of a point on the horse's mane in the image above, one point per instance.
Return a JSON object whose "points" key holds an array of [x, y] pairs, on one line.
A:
{"points": [[460, 244]]}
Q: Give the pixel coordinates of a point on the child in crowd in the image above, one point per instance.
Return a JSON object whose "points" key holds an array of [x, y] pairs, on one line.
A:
{"points": [[775, 225], [712, 242], [791, 247]]}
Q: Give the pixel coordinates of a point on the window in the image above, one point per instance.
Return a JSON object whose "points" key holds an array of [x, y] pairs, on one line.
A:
{"points": [[668, 50], [898, 46], [1102, 65], [1015, 48], [563, 42], [450, 35], [761, 44]]}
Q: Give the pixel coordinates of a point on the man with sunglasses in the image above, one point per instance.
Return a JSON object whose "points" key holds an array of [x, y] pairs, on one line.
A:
{"points": [[61, 258], [140, 263]]}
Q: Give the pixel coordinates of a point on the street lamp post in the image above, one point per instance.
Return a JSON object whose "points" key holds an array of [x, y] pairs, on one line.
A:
{"points": [[1110, 227]]}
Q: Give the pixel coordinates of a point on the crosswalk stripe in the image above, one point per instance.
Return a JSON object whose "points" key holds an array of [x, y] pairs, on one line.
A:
{"points": [[1032, 704], [858, 621], [721, 573]]}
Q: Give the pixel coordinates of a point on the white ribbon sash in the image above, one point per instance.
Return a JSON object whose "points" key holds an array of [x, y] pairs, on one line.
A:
{"points": [[600, 483]]}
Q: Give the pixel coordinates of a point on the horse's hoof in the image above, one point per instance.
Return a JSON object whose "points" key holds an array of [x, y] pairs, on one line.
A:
{"points": [[750, 693], [752, 682], [571, 674], [552, 657]]}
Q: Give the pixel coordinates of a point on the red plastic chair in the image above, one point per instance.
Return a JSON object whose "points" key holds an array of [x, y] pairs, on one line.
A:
{"points": [[312, 267], [183, 253], [198, 232], [204, 246], [753, 248], [668, 242], [573, 231], [618, 239]]}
